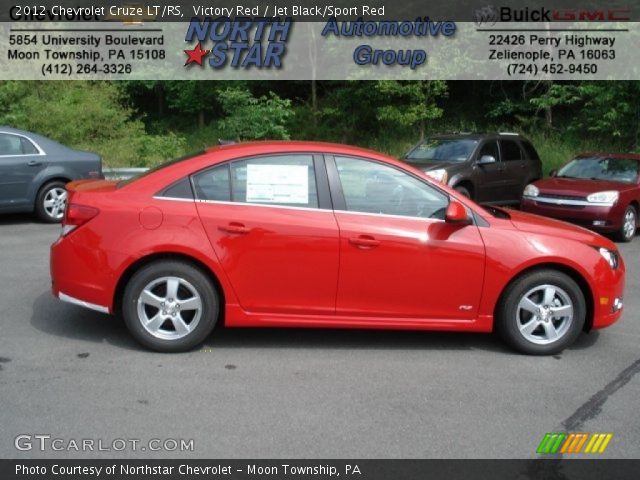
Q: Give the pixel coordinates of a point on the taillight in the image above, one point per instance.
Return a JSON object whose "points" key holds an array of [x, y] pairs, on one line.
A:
{"points": [[76, 215]]}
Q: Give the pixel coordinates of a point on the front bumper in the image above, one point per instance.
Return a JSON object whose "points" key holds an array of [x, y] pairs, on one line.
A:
{"points": [[595, 217]]}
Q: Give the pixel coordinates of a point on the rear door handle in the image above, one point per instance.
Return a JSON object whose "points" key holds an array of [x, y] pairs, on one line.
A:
{"points": [[364, 241], [34, 163], [234, 227]]}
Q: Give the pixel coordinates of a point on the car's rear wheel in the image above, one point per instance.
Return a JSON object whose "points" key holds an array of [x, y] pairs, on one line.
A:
{"points": [[541, 313], [170, 306], [51, 202], [629, 224]]}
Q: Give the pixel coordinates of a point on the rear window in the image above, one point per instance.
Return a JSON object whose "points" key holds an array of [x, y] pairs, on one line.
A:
{"points": [[122, 183]]}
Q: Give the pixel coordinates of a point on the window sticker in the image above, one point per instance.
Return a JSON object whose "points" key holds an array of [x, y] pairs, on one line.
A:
{"points": [[278, 184]]}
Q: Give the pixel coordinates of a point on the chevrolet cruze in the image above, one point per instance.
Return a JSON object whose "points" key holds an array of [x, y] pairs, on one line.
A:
{"points": [[301, 234]]}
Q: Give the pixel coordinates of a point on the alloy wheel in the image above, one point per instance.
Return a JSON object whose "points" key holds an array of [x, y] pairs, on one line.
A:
{"points": [[55, 202], [169, 308], [544, 314]]}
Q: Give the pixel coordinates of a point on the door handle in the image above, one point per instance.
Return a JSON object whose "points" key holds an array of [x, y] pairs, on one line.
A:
{"points": [[364, 241], [234, 227], [34, 163]]}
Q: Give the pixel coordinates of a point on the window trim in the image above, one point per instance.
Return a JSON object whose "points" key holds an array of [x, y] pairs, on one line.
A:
{"points": [[322, 183], [33, 142]]}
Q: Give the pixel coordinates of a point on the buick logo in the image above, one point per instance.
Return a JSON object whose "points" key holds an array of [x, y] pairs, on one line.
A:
{"points": [[487, 15]]}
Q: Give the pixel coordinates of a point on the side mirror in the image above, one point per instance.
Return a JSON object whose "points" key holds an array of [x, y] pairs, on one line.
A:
{"points": [[553, 172], [486, 159], [457, 214]]}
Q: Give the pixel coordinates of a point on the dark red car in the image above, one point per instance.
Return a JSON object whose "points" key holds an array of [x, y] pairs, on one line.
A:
{"points": [[301, 234], [600, 191]]}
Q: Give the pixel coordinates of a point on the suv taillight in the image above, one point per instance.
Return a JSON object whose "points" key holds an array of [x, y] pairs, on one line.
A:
{"points": [[76, 215]]}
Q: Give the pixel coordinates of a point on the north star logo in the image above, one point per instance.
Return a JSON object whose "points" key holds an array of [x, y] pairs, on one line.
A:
{"points": [[240, 43]]}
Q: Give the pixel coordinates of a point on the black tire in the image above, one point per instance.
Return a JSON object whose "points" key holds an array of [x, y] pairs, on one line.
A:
{"points": [[462, 190], [626, 232], [47, 213], [510, 318], [192, 280]]}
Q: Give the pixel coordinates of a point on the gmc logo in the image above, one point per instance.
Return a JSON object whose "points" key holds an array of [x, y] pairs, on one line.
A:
{"points": [[573, 14]]}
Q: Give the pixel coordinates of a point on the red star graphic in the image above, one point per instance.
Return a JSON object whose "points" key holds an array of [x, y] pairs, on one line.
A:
{"points": [[196, 55]]}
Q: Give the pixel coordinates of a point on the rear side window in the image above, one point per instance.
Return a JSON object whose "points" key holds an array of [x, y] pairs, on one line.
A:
{"points": [[10, 144], [510, 151], [28, 148], [286, 180], [213, 184], [531, 152], [180, 189]]}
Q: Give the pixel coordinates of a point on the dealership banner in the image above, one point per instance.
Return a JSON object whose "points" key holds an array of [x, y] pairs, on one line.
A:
{"points": [[274, 40]]}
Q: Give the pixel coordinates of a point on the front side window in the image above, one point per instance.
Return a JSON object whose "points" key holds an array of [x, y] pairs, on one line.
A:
{"points": [[490, 149], [372, 187], [599, 168], [10, 145]]}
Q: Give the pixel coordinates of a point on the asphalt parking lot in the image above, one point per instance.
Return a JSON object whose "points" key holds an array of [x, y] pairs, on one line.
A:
{"points": [[75, 374]]}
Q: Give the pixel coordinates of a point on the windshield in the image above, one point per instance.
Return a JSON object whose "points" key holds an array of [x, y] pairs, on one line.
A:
{"points": [[122, 183], [442, 150], [601, 168]]}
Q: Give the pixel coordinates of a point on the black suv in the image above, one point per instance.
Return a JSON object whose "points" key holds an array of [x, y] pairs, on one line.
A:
{"points": [[486, 167]]}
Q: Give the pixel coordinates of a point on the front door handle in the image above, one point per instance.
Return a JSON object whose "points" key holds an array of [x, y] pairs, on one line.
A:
{"points": [[364, 241], [234, 227], [34, 163]]}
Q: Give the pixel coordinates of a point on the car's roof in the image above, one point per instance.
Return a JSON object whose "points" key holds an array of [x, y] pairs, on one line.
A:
{"points": [[290, 145], [627, 156], [476, 135]]}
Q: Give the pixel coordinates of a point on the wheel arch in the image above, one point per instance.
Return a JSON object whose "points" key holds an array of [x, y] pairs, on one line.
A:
{"points": [[571, 272], [154, 257], [466, 183]]}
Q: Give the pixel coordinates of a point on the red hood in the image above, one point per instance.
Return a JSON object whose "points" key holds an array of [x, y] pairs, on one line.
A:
{"points": [[528, 222], [578, 187]]}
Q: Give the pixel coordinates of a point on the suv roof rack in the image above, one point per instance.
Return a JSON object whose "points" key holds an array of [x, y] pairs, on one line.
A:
{"points": [[508, 133]]}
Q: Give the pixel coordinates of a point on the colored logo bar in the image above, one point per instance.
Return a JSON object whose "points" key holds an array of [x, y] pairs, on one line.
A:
{"points": [[561, 442]]}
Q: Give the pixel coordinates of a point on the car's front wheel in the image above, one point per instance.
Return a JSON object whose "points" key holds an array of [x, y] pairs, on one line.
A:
{"points": [[541, 313], [51, 202], [170, 306], [629, 224]]}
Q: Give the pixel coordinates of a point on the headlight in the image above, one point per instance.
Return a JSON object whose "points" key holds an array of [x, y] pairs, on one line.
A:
{"points": [[531, 191], [610, 256], [609, 197], [440, 175]]}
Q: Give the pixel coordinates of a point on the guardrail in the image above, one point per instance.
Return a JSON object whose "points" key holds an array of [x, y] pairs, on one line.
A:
{"points": [[122, 173]]}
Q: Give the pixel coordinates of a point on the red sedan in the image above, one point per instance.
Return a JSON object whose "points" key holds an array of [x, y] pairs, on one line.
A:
{"points": [[600, 191], [301, 234]]}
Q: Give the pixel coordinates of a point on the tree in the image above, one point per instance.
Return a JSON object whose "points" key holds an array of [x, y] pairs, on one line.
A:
{"points": [[251, 118], [410, 103]]}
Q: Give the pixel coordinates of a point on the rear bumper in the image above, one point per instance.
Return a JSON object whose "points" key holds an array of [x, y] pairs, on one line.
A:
{"points": [[80, 275], [599, 218]]}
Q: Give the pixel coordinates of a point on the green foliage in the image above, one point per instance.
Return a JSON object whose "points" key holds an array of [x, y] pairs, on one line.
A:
{"points": [[141, 123], [410, 103], [251, 118], [88, 116]]}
